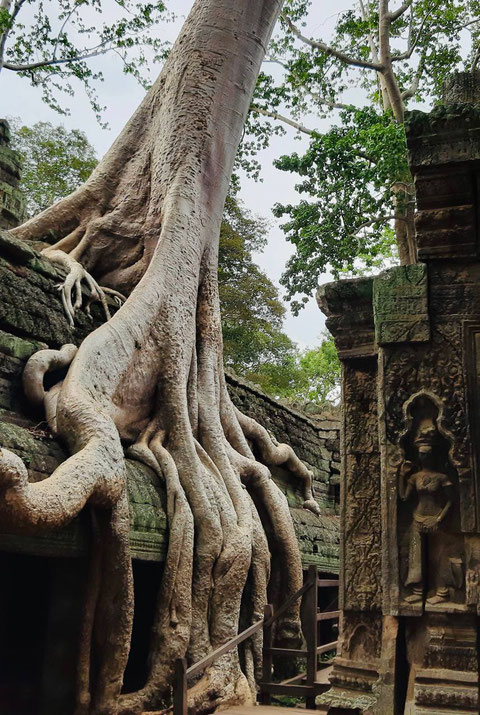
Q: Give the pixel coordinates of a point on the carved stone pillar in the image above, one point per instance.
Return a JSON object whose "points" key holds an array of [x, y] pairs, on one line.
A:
{"points": [[362, 654], [409, 340]]}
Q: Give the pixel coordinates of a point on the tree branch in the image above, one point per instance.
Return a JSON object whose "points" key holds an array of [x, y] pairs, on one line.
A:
{"points": [[384, 98], [475, 59], [5, 4], [314, 95], [60, 61], [67, 18], [371, 41], [409, 52], [317, 45], [282, 118], [384, 51], [411, 91], [392, 16]]}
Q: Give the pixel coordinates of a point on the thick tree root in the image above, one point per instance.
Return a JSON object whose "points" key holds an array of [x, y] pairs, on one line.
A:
{"points": [[279, 455], [35, 370]]}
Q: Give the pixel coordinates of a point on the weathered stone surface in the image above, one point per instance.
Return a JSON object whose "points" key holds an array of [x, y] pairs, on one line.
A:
{"points": [[400, 305], [444, 148], [12, 208], [348, 307], [410, 451]]}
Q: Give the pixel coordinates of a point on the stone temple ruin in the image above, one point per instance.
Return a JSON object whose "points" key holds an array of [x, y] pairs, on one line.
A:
{"points": [[409, 340], [11, 200]]}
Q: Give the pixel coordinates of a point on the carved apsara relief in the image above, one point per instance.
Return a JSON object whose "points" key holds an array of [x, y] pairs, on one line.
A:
{"points": [[433, 561], [436, 370]]}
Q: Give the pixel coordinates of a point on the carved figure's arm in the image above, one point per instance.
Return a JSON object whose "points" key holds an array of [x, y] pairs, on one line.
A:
{"points": [[405, 488], [446, 508]]}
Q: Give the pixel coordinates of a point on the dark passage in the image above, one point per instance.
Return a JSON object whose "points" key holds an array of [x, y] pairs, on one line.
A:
{"points": [[40, 608]]}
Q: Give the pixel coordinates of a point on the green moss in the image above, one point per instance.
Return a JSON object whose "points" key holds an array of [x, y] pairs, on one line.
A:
{"points": [[19, 347]]}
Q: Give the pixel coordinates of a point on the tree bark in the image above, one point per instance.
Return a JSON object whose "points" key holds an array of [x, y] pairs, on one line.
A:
{"points": [[146, 224], [404, 200]]}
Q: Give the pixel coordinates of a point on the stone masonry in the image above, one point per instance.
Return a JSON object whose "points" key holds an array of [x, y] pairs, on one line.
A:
{"points": [[409, 340], [11, 199]]}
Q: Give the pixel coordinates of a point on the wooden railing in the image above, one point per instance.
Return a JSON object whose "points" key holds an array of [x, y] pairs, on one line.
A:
{"points": [[305, 684], [308, 687]]}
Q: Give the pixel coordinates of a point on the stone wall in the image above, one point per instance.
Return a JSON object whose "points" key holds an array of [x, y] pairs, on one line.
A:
{"points": [[11, 200], [32, 317]]}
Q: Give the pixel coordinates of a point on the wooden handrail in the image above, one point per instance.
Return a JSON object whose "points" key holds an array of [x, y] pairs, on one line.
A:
{"points": [[309, 689], [289, 602], [326, 582], [325, 648], [182, 673], [229, 645], [327, 615]]}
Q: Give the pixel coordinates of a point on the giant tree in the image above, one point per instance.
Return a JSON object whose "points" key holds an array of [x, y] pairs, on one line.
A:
{"points": [[146, 224], [356, 189]]}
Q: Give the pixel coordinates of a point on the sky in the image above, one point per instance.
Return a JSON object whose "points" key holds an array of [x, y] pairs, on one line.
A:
{"points": [[121, 94]]}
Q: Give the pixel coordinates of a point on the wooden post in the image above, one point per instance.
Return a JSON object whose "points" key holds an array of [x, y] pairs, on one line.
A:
{"points": [[267, 658], [180, 687], [311, 608]]}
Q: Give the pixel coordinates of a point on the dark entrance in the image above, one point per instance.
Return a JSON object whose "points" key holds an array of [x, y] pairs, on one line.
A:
{"points": [[40, 610]]}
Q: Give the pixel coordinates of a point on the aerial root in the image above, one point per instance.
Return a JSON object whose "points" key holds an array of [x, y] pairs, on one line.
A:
{"points": [[171, 629], [13, 472], [279, 455], [35, 370], [72, 285]]}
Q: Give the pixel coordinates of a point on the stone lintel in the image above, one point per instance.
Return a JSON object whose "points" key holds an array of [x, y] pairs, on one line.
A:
{"points": [[349, 310]]}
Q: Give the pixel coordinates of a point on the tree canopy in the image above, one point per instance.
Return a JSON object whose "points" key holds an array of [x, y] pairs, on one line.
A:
{"points": [[254, 344], [55, 161], [52, 45], [356, 191]]}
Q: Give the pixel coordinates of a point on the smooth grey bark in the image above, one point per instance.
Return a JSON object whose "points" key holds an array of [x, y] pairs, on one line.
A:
{"points": [[146, 224]]}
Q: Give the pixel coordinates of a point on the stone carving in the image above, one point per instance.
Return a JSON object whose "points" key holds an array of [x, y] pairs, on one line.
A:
{"points": [[362, 635], [427, 415], [424, 475], [436, 371], [362, 561], [400, 303]]}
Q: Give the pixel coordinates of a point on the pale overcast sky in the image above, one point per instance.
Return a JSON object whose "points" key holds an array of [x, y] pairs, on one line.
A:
{"points": [[121, 94]]}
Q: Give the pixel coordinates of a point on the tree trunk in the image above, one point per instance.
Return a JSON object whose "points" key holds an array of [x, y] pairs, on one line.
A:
{"points": [[147, 224], [404, 199]]}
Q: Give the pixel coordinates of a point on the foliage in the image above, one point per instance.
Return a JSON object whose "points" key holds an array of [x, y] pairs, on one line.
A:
{"points": [[55, 162], [254, 344], [52, 45], [388, 55], [316, 377], [348, 175]]}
